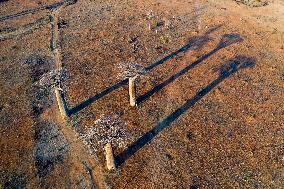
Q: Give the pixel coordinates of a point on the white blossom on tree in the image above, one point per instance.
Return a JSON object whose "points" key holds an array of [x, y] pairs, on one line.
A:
{"points": [[129, 69], [51, 79], [107, 129]]}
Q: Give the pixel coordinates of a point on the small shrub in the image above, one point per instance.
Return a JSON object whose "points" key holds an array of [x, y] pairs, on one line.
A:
{"points": [[164, 39], [155, 24], [253, 3]]}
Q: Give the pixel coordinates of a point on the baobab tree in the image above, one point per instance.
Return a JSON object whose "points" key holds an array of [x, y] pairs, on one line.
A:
{"points": [[51, 82], [131, 71], [108, 131]]}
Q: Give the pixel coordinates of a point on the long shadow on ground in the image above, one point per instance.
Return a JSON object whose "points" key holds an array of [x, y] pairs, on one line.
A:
{"points": [[226, 40], [91, 100], [227, 70], [196, 42]]}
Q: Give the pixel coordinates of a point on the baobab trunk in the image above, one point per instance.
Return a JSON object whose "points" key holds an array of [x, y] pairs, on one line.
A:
{"points": [[109, 157], [132, 91], [60, 103]]}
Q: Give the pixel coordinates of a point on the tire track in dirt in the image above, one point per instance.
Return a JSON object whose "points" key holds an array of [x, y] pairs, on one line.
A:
{"points": [[12, 32], [55, 38], [32, 11]]}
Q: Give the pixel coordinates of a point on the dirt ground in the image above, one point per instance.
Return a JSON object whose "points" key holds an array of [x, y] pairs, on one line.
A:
{"points": [[209, 109]]}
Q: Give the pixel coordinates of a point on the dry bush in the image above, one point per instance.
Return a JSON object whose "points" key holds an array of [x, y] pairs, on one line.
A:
{"points": [[253, 3]]}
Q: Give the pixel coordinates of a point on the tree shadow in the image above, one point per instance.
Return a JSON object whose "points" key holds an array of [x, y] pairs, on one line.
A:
{"points": [[225, 41], [32, 11], [96, 97], [196, 42], [225, 71]]}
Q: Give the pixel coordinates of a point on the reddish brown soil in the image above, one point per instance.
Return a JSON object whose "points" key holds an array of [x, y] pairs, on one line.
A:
{"points": [[210, 115]]}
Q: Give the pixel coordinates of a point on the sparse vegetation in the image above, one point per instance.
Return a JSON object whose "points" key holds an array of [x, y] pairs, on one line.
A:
{"points": [[253, 3], [164, 39]]}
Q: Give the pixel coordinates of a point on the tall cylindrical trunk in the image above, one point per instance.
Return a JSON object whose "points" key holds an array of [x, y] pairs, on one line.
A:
{"points": [[109, 157], [60, 103], [132, 91]]}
